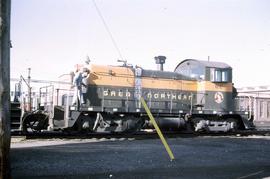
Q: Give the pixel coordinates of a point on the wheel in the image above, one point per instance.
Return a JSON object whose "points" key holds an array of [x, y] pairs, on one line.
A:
{"points": [[132, 125], [199, 125], [34, 122], [234, 123]]}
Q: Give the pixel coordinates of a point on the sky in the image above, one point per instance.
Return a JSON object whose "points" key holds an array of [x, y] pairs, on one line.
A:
{"points": [[50, 36]]}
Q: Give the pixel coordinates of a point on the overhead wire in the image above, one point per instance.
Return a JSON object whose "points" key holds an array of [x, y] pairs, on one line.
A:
{"points": [[108, 30]]}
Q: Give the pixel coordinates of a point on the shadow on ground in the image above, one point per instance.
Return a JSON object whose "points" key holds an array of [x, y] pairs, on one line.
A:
{"points": [[199, 157]]}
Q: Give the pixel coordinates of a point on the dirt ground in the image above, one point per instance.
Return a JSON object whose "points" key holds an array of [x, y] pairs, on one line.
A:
{"points": [[196, 157]]}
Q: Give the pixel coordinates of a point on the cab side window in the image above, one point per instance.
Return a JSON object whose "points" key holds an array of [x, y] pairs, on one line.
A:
{"points": [[224, 77], [192, 70], [219, 75]]}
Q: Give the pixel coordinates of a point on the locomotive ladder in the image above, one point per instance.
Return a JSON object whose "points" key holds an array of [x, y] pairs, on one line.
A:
{"points": [[138, 86]]}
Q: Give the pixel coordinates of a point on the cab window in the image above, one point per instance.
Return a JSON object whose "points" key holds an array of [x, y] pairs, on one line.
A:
{"points": [[219, 75], [192, 70]]}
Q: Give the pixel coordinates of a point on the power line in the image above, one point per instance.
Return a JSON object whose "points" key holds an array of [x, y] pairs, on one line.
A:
{"points": [[41, 81], [107, 29]]}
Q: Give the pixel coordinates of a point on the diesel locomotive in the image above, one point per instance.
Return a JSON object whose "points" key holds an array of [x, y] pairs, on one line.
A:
{"points": [[198, 96]]}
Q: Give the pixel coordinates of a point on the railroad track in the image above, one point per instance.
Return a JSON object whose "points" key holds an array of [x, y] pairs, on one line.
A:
{"points": [[137, 135]]}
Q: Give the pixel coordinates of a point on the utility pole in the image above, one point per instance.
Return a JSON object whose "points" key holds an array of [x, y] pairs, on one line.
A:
{"points": [[5, 88]]}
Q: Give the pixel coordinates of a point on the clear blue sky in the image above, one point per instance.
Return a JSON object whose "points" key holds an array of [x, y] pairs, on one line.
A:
{"points": [[51, 36]]}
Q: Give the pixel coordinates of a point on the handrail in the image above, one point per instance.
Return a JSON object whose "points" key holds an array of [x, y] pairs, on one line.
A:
{"points": [[50, 102], [22, 78], [29, 91], [57, 93], [249, 104], [191, 104], [250, 107]]}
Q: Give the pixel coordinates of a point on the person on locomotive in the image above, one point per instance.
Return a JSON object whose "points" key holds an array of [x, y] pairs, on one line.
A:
{"points": [[85, 76], [80, 86], [77, 82]]}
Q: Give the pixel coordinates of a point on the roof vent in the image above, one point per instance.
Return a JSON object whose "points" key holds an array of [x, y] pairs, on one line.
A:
{"points": [[160, 60]]}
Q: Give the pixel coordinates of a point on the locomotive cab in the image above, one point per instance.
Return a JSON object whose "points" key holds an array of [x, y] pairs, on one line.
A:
{"points": [[214, 106], [214, 84]]}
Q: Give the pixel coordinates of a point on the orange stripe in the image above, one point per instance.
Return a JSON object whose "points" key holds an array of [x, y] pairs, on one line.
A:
{"points": [[210, 86], [170, 84], [146, 83], [111, 76], [124, 77]]}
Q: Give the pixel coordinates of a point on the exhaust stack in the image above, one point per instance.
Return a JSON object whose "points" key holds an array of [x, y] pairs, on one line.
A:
{"points": [[160, 60]]}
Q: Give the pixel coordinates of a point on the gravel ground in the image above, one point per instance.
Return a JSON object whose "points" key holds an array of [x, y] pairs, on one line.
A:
{"points": [[196, 157]]}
